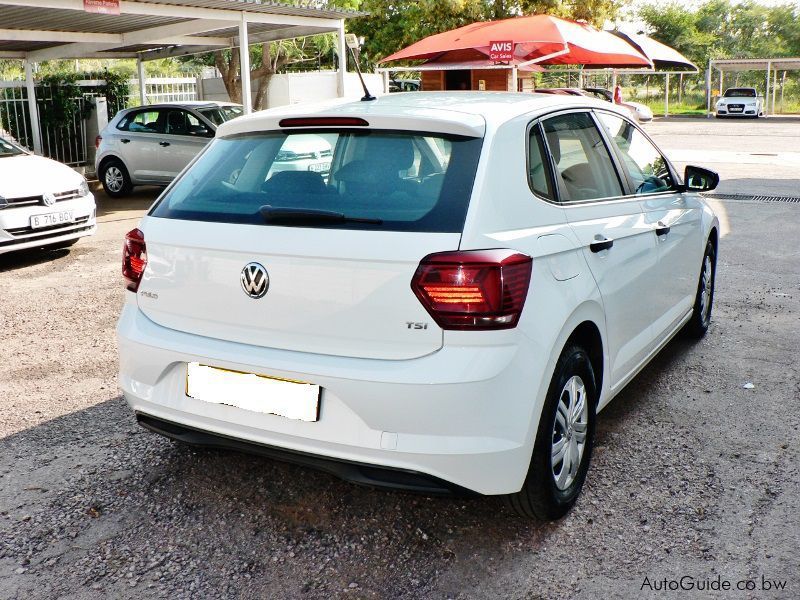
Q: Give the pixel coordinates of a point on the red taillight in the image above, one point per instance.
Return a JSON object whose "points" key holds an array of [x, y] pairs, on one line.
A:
{"points": [[97, 141], [134, 258], [475, 289]]}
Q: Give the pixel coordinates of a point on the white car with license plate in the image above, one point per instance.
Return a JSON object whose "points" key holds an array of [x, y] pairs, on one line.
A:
{"points": [[42, 202], [446, 311], [740, 102]]}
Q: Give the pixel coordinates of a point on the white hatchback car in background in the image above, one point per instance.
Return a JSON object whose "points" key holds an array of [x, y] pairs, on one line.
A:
{"points": [[150, 145], [42, 202], [478, 275]]}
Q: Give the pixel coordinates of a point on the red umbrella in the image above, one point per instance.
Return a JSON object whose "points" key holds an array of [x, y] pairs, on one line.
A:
{"points": [[536, 39]]}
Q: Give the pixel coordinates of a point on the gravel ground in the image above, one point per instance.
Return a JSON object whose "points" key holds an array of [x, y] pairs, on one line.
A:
{"points": [[694, 473]]}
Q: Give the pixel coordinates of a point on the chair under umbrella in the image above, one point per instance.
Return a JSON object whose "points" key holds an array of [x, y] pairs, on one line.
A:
{"points": [[537, 39]]}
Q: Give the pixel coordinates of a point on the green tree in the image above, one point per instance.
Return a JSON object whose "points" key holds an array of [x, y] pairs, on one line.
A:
{"points": [[720, 29]]}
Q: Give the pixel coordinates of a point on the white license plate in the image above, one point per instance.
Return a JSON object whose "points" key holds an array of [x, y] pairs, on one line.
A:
{"points": [[257, 393], [736, 109], [50, 219], [320, 167]]}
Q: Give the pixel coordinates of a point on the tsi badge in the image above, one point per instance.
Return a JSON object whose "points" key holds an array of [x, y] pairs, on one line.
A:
{"points": [[48, 199], [255, 280]]}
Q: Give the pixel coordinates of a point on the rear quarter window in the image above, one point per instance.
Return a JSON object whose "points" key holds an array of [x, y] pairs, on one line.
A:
{"points": [[406, 180]]}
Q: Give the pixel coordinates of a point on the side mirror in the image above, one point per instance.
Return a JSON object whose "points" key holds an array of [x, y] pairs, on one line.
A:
{"points": [[698, 179]]}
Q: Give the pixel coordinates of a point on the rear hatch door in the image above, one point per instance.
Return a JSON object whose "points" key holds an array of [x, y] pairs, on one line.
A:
{"points": [[340, 248]]}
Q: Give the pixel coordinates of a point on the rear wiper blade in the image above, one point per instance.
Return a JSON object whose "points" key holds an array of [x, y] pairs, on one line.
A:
{"points": [[299, 216]]}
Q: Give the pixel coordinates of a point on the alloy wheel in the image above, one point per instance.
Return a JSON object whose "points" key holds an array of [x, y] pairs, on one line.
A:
{"points": [[114, 179], [569, 433], [706, 286]]}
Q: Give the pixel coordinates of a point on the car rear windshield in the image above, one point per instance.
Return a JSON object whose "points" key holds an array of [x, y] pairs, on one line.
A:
{"points": [[219, 114], [374, 179], [740, 93]]}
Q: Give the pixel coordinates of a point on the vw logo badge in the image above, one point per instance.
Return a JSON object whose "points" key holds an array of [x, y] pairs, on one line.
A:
{"points": [[255, 280], [48, 199]]}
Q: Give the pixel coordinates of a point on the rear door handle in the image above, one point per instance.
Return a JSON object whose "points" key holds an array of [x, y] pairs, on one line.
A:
{"points": [[125, 141], [662, 229], [601, 245], [164, 144]]}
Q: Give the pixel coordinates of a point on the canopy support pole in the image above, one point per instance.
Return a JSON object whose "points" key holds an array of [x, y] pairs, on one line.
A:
{"points": [[766, 93], [783, 84], [708, 89], [33, 111], [514, 79], [244, 65], [385, 79], [666, 95], [341, 49], [774, 85], [142, 81]]}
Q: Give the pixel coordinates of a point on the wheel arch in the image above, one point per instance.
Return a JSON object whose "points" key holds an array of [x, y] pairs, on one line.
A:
{"points": [[585, 327], [713, 237], [587, 336], [107, 159]]}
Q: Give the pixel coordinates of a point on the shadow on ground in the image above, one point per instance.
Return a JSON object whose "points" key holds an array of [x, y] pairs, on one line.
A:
{"points": [[258, 527]]}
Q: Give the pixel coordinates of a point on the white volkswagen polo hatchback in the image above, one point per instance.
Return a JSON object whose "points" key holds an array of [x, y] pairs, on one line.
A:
{"points": [[42, 202], [446, 310]]}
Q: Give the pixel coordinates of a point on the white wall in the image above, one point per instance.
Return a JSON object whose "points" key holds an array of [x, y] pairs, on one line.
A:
{"points": [[294, 88]]}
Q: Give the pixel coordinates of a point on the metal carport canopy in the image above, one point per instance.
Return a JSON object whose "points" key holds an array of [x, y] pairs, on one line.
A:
{"points": [[39, 30], [733, 65]]}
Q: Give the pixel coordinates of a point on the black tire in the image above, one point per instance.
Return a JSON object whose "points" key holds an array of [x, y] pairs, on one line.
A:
{"points": [[541, 497], [115, 178], [701, 313]]}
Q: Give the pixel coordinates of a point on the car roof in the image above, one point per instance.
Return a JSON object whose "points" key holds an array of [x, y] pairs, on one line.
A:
{"points": [[469, 113], [188, 104]]}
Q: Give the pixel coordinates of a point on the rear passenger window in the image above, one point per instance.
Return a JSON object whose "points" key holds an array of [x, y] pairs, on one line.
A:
{"points": [[582, 160], [645, 165], [538, 166], [142, 122]]}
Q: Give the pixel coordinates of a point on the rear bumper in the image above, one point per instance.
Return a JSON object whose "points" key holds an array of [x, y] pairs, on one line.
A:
{"points": [[358, 473], [461, 417]]}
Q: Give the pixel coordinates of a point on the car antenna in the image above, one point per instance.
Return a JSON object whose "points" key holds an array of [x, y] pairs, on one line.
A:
{"points": [[352, 42]]}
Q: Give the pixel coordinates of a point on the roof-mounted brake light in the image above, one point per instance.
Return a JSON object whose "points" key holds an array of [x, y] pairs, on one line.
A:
{"points": [[324, 122]]}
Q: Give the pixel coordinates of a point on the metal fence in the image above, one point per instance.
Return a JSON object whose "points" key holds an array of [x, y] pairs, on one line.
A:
{"points": [[163, 89], [67, 143], [14, 117]]}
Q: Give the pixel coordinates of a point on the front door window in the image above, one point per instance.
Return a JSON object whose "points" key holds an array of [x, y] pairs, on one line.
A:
{"points": [[583, 163], [644, 164]]}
